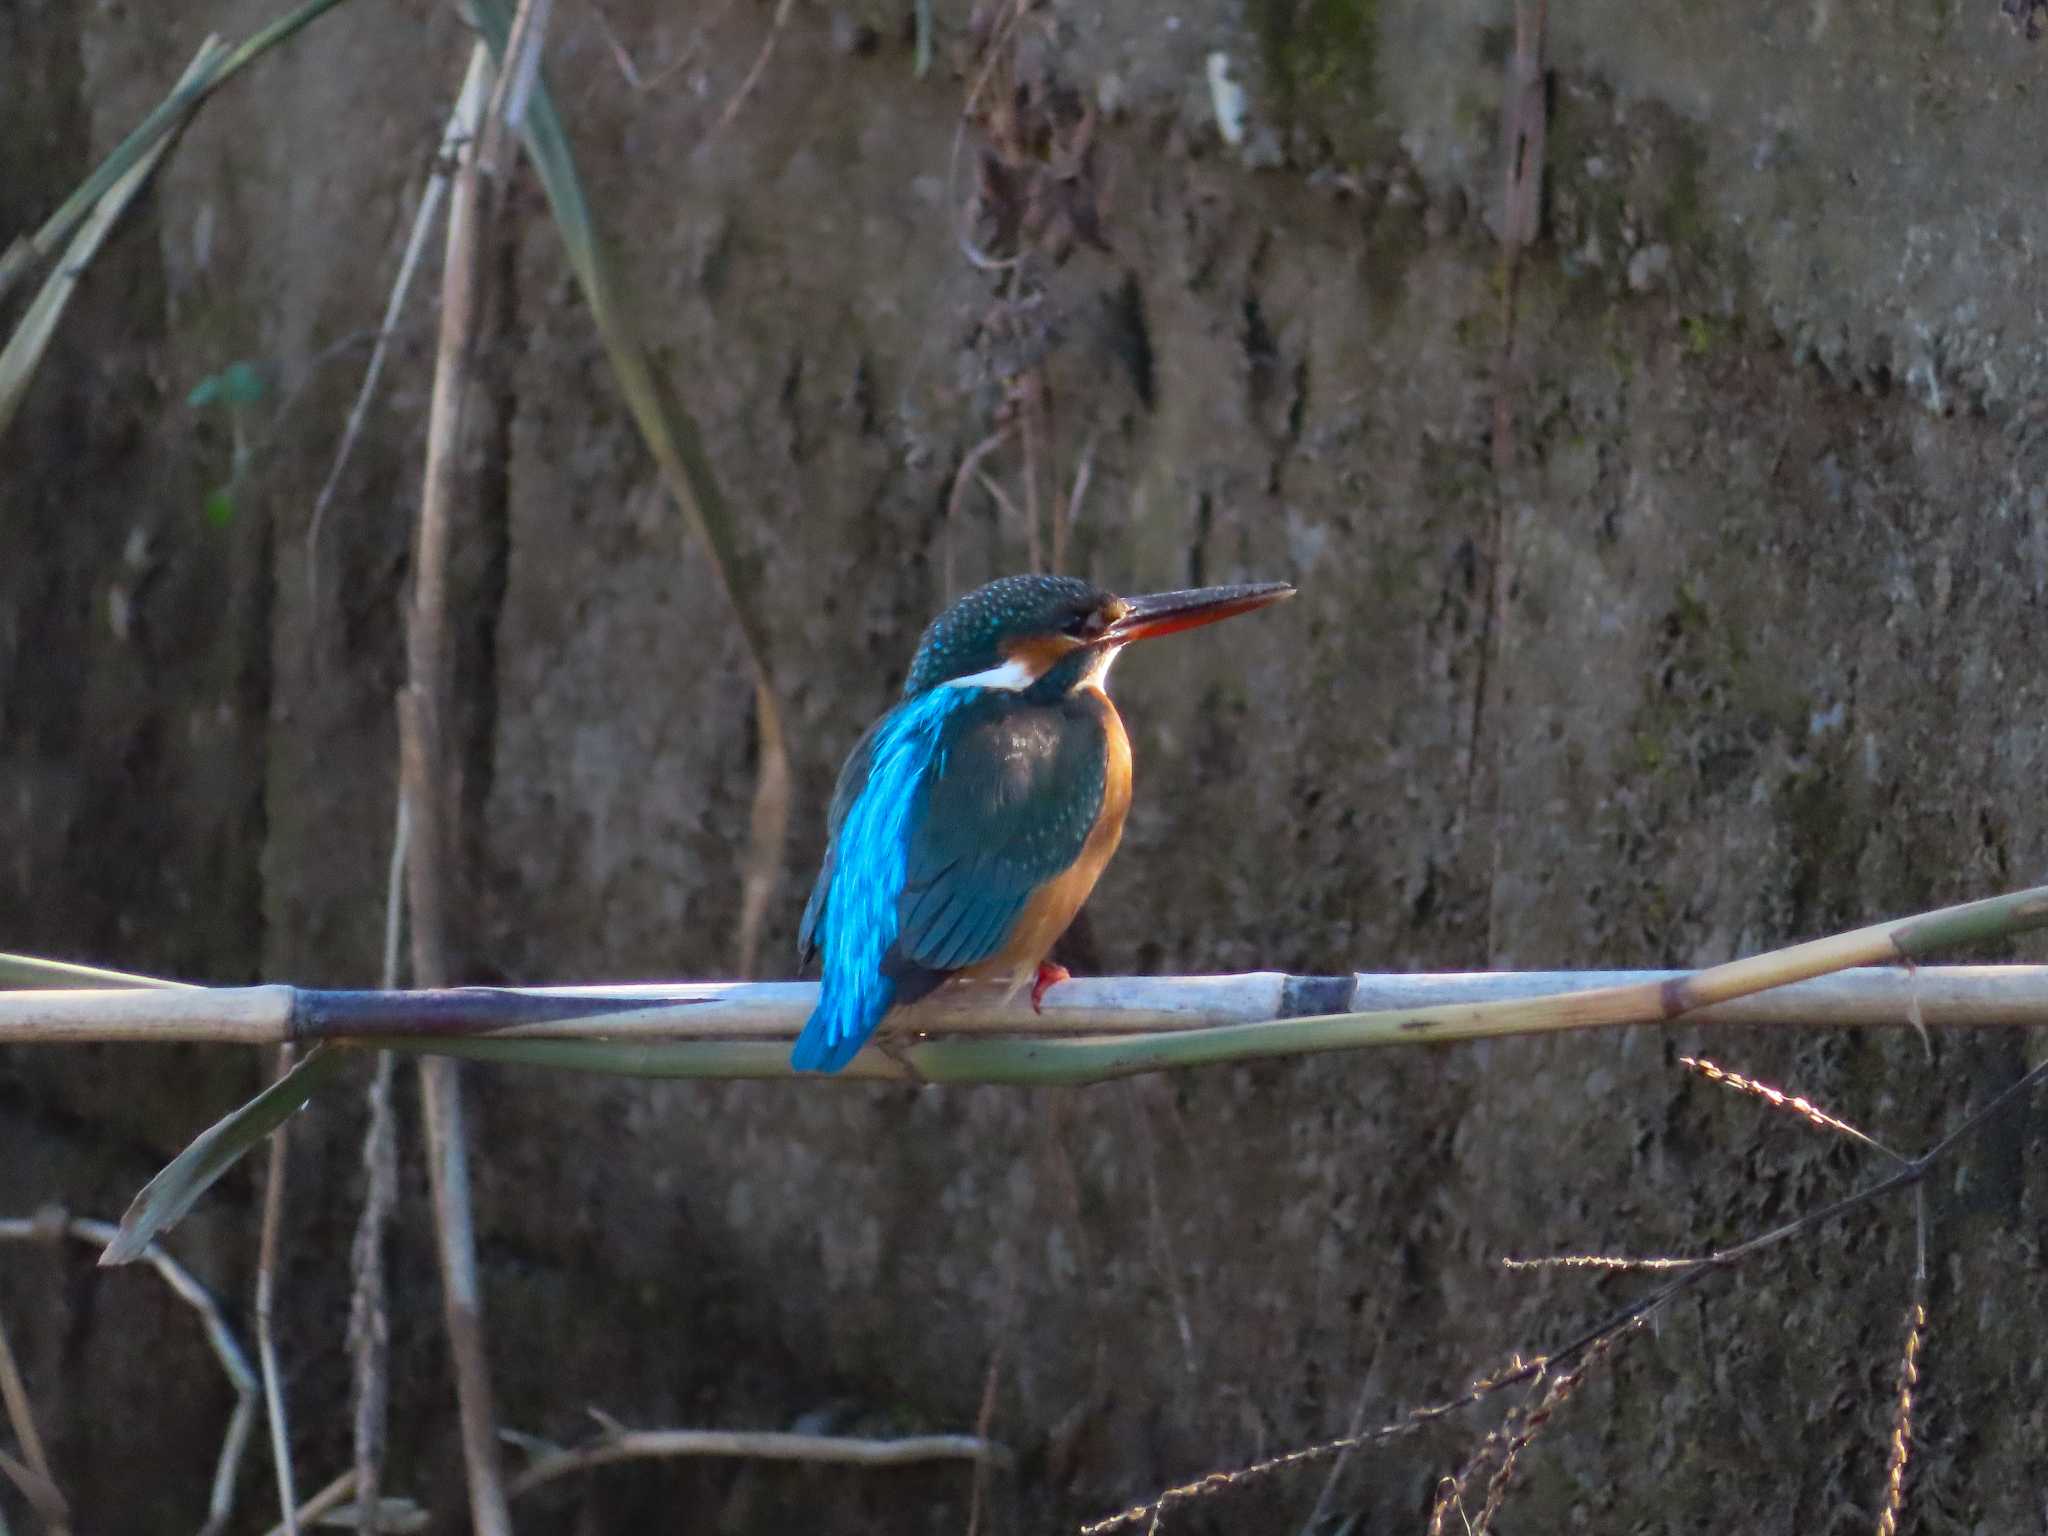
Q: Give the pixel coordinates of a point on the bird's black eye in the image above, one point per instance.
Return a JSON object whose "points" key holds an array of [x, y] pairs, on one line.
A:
{"points": [[1088, 625]]}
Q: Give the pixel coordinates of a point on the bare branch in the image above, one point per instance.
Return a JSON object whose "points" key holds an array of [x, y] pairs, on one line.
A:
{"points": [[42, 1494], [235, 1364], [739, 99], [763, 1445], [369, 1325], [35, 1479], [397, 1516], [408, 265]]}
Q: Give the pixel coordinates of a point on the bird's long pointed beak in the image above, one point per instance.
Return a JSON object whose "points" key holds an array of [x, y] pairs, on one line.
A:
{"points": [[1167, 613]]}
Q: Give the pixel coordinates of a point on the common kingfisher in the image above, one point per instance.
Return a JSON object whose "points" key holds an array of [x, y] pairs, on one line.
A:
{"points": [[973, 819]]}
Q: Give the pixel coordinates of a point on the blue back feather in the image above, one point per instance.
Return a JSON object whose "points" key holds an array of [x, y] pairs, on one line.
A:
{"points": [[859, 919]]}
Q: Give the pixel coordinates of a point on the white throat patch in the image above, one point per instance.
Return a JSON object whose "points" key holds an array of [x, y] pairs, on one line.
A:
{"points": [[1011, 676], [1015, 674]]}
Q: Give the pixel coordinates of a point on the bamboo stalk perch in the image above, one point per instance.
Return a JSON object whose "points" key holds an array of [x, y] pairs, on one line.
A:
{"points": [[1375, 1009], [712, 1031]]}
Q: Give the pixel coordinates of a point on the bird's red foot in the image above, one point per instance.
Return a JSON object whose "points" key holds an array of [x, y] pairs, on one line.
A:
{"points": [[1049, 975]]}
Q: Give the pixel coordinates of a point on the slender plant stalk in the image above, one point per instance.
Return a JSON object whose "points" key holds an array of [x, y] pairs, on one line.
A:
{"points": [[640, 1445], [266, 1331], [415, 245], [393, 1514], [369, 1323], [426, 783], [221, 1338], [14, 1393], [318, 1504], [672, 436]]}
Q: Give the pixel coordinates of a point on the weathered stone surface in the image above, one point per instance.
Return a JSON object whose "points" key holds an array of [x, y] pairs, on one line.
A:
{"points": [[1776, 546]]}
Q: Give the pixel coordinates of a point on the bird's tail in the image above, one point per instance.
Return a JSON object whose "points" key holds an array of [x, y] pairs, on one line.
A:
{"points": [[841, 1023]]}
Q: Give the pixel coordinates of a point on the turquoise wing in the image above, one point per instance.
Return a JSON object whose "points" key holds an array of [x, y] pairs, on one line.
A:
{"points": [[949, 814], [1008, 804], [853, 778]]}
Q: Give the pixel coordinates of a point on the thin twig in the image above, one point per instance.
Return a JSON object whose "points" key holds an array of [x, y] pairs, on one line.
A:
{"points": [[328, 1498], [233, 1362], [1636, 1314], [1523, 128], [983, 1418], [957, 497], [1066, 512], [1010, 510], [962, 235], [52, 1507], [455, 1229], [636, 1445], [266, 1332], [369, 1324], [1170, 1272], [43, 1495], [394, 305], [395, 1515], [1314, 1522], [624, 60], [739, 99], [1032, 408]]}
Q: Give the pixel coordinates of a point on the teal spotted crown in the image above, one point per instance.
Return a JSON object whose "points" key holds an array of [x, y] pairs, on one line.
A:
{"points": [[968, 637]]}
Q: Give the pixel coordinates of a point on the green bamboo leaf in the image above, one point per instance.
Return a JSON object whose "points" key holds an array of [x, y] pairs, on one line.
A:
{"points": [[31, 338], [237, 384], [169, 115], [168, 1196], [32, 973], [96, 206]]}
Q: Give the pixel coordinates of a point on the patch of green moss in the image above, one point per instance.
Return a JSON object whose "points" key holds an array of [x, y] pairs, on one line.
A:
{"points": [[1321, 61]]}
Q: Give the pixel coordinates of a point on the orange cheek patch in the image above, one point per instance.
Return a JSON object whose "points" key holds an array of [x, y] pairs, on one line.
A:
{"points": [[1041, 653]]}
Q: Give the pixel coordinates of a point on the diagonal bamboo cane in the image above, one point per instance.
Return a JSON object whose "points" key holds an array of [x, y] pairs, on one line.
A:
{"points": [[673, 438]]}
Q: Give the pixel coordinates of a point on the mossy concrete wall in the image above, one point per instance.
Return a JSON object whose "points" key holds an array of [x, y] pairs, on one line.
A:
{"points": [[1763, 661]]}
